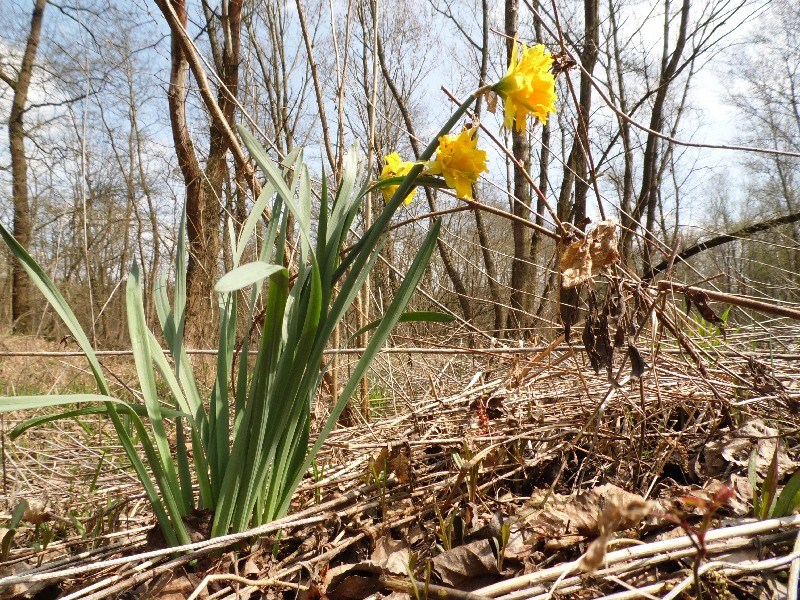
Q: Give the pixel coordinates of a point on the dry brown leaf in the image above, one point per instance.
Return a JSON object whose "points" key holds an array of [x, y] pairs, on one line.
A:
{"points": [[491, 101], [250, 569], [603, 245], [23, 591], [396, 461], [356, 581], [391, 555], [740, 504], [587, 257], [615, 516], [173, 586], [576, 263], [463, 563], [587, 514], [400, 463], [353, 582], [37, 512], [735, 448]]}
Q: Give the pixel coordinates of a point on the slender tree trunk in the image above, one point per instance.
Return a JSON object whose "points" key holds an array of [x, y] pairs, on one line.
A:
{"points": [[576, 169], [196, 232], [204, 187], [520, 201], [544, 184], [480, 225], [21, 312], [626, 194], [588, 60]]}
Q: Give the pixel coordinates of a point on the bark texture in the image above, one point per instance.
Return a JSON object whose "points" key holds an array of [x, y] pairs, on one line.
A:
{"points": [[21, 313]]}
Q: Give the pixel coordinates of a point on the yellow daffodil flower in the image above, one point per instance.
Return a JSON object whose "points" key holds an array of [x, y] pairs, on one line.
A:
{"points": [[395, 167], [528, 87], [459, 161]]}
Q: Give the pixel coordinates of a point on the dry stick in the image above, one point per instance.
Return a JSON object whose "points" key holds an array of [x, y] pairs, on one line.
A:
{"points": [[794, 573], [573, 584], [511, 217], [204, 546], [388, 350], [758, 566], [430, 215], [317, 88], [257, 583], [413, 588]]}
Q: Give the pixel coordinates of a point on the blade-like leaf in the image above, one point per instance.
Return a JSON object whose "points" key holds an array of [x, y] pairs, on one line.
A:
{"points": [[789, 498], [245, 275], [276, 178], [80, 412], [140, 344], [396, 308]]}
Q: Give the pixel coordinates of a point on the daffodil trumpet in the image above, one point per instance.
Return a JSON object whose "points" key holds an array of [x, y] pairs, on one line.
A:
{"points": [[528, 87], [459, 161]]}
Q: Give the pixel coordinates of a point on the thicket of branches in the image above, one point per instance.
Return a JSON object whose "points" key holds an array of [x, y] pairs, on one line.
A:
{"points": [[118, 113]]}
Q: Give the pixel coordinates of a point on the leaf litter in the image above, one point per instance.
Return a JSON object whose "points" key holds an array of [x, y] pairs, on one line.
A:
{"points": [[561, 473]]}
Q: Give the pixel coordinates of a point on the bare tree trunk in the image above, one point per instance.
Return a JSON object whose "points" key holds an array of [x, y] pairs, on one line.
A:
{"points": [[626, 195], [190, 168], [576, 168], [480, 225], [21, 312], [520, 201], [544, 183], [204, 188]]}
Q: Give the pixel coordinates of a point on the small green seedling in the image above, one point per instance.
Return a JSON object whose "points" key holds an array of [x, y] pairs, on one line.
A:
{"points": [[13, 524]]}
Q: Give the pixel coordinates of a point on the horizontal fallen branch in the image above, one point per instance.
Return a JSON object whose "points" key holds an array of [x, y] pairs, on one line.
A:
{"points": [[747, 302], [719, 240]]}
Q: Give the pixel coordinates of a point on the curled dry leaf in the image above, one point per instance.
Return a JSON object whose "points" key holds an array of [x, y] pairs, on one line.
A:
{"points": [[589, 514], [475, 560], [587, 257], [596, 337], [353, 582], [36, 512], [491, 101], [700, 299], [391, 555], [615, 516], [735, 448], [25, 591], [576, 264], [363, 579], [638, 365], [396, 461], [568, 308]]}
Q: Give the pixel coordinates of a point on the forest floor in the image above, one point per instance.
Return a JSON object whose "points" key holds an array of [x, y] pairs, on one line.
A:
{"points": [[495, 474]]}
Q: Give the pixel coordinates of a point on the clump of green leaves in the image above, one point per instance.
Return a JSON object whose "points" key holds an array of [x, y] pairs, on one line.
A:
{"points": [[247, 469]]}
